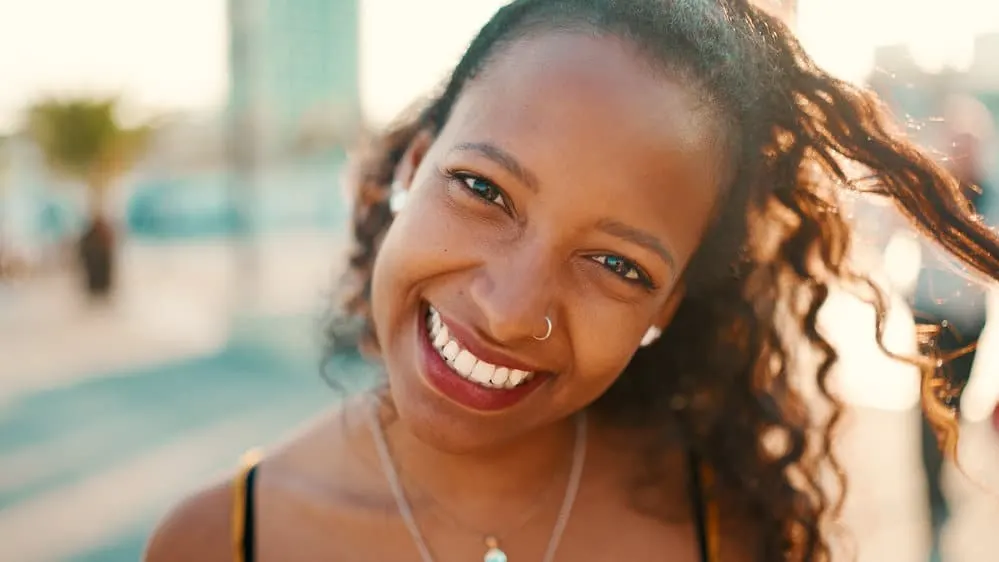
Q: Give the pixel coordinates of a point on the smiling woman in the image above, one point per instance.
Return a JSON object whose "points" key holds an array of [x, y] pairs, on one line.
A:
{"points": [[572, 264]]}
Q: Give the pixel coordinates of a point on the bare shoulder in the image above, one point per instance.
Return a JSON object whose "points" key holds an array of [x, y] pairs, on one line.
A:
{"points": [[296, 479], [195, 530]]}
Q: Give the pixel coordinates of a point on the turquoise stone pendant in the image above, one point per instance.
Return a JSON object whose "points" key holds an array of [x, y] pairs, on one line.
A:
{"points": [[494, 554]]}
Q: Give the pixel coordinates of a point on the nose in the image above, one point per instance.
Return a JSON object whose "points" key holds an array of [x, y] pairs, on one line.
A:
{"points": [[514, 293]]}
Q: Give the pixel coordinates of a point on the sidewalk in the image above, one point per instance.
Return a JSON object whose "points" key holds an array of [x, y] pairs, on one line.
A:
{"points": [[174, 301]]}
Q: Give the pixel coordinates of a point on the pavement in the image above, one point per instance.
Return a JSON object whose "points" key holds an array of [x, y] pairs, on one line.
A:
{"points": [[174, 301], [108, 414]]}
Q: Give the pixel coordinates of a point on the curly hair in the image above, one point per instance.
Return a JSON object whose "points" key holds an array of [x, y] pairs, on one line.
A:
{"points": [[726, 376]]}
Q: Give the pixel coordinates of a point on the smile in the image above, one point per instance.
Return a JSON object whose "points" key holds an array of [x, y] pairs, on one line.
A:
{"points": [[465, 363]]}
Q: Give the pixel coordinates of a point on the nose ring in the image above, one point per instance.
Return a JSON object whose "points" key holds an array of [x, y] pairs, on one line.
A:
{"points": [[548, 332]]}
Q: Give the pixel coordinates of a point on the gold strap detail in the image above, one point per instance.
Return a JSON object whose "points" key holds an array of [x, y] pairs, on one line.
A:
{"points": [[711, 516], [237, 522]]}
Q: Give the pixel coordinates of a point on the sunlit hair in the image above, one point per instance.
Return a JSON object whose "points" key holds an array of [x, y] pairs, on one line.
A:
{"points": [[726, 377]]}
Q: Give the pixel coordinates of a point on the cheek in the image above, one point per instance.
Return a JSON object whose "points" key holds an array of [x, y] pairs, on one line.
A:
{"points": [[602, 347], [419, 245]]}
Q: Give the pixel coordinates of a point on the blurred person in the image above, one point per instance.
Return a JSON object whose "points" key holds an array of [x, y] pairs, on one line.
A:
{"points": [[95, 251], [943, 292], [571, 263]]}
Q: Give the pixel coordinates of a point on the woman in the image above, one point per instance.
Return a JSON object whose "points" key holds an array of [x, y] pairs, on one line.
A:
{"points": [[607, 209]]}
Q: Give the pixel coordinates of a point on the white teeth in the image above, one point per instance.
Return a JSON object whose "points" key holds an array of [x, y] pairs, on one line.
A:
{"points": [[464, 363], [467, 364], [442, 337], [483, 372], [500, 375], [450, 351], [517, 376]]}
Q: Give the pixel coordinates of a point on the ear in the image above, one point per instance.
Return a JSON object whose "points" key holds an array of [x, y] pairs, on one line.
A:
{"points": [[671, 305], [405, 170]]}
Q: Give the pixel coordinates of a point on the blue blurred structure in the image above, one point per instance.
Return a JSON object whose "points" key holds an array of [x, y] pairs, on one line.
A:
{"points": [[303, 195], [294, 76]]}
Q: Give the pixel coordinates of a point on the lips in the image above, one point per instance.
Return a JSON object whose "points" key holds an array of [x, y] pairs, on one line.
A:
{"points": [[468, 364], [466, 372]]}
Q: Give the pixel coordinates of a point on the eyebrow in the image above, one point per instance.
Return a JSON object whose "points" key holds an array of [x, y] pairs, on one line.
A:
{"points": [[639, 237], [504, 159]]}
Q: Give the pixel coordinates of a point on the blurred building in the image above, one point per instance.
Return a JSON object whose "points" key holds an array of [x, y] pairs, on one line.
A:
{"points": [[294, 76], [917, 94], [896, 68], [984, 72], [268, 160]]}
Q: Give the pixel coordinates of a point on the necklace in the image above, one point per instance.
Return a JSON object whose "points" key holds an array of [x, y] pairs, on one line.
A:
{"points": [[525, 518], [493, 551]]}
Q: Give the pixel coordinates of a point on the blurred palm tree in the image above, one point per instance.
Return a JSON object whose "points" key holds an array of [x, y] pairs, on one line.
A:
{"points": [[83, 139]]}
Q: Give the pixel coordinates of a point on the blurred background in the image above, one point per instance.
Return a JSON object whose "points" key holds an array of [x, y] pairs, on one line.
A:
{"points": [[172, 222]]}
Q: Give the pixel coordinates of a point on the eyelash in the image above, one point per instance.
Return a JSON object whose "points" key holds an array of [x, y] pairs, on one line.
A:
{"points": [[623, 268], [467, 180]]}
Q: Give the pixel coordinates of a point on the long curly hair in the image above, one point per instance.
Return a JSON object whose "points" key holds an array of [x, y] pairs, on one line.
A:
{"points": [[726, 377]]}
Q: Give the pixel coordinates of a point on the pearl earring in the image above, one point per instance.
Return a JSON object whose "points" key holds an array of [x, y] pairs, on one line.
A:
{"points": [[651, 335], [397, 200]]}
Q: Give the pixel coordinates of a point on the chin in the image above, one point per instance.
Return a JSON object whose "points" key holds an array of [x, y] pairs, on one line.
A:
{"points": [[441, 427]]}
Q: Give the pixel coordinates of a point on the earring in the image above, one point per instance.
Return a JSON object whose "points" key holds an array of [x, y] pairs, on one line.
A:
{"points": [[651, 335], [397, 200]]}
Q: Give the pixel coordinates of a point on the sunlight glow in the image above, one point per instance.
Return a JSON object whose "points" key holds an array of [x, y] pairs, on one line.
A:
{"points": [[157, 54], [171, 54], [842, 35], [408, 48]]}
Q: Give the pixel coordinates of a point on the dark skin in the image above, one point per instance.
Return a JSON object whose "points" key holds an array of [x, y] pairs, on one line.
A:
{"points": [[581, 192]]}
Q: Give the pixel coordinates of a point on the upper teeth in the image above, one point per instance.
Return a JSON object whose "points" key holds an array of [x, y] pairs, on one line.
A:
{"points": [[468, 365]]}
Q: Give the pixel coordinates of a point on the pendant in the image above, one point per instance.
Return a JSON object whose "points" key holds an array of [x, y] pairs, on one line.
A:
{"points": [[494, 554]]}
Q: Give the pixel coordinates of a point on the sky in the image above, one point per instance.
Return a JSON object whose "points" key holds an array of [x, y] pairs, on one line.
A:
{"points": [[171, 54], [157, 53]]}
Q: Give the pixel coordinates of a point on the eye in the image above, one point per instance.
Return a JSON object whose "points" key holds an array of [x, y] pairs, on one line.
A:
{"points": [[625, 269], [483, 189]]}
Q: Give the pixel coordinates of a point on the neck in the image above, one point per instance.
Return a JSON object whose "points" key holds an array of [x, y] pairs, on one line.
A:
{"points": [[504, 479]]}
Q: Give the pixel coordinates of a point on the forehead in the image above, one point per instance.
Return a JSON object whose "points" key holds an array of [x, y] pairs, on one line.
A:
{"points": [[590, 113]]}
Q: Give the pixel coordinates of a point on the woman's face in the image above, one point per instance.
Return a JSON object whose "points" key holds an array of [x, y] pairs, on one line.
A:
{"points": [[572, 181]]}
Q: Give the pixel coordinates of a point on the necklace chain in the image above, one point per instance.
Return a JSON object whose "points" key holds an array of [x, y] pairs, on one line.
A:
{"points": [[544, 495], [526, 518], [406, 512]]}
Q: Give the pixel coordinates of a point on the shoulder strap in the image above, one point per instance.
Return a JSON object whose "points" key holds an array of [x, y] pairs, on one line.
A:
{"points": [[705, 509], [241, 523]]}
